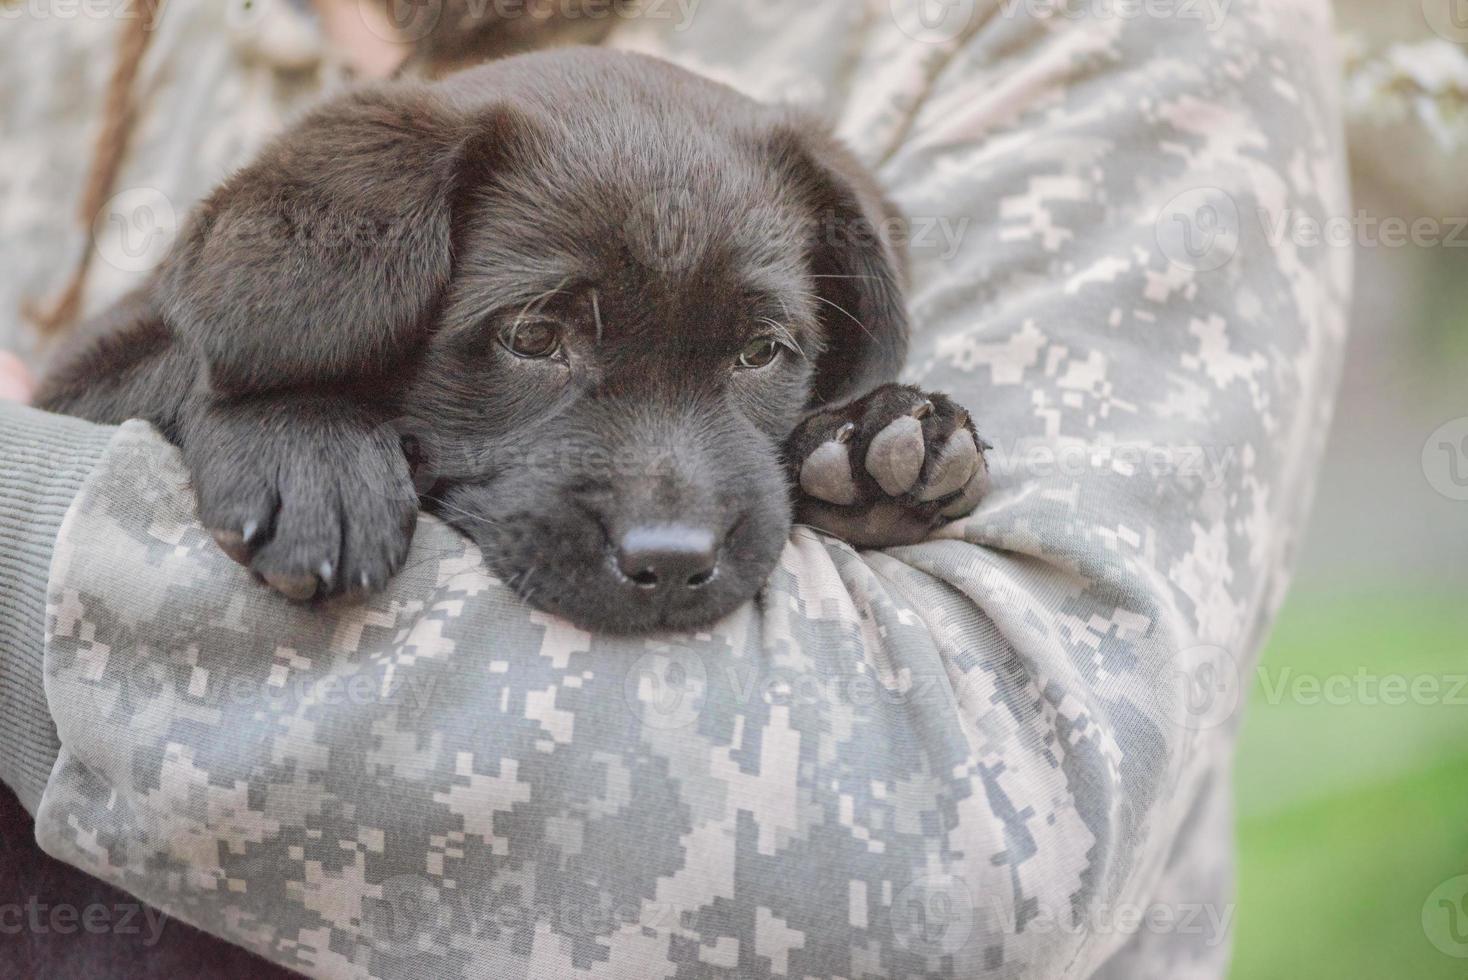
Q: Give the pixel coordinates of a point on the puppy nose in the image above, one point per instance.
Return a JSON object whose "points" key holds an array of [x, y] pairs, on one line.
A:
{"points": [[668, 556]]}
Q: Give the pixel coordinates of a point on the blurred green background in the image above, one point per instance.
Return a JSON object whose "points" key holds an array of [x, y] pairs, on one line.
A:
{"points": [[1351, 815], [1351, 811]]}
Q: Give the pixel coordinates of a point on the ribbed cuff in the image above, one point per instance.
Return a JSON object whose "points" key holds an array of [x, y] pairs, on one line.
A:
{"points": [[44, 459]]}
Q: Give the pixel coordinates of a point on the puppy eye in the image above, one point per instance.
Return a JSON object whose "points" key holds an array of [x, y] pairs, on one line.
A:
{"points": [[760, 353], [532, 339]]}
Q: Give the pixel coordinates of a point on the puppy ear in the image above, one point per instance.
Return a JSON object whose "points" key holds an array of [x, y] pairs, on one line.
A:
{"points": [[859, 271], [325, 259]]}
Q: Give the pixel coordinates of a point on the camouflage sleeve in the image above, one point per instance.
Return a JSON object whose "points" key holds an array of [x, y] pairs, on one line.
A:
{"points": [[1000, 753], [44, 460]]}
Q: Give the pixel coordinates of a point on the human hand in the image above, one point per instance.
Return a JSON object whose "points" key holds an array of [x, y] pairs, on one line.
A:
{"points": [[16, 384]]}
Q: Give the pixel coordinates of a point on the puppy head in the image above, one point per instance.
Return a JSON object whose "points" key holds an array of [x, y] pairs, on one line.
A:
{"points": [[622, 288]]}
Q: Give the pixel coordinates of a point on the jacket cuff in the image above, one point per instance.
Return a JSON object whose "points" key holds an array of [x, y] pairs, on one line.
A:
{"points": [[44, 459]]}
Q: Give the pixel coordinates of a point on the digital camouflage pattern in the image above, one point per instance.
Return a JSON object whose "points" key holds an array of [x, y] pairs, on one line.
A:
{"points": [[1004, 752]]}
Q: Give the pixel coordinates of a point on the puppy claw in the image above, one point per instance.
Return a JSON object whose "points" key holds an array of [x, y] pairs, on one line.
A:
{"points": [[826, 473], [251, 531], [895, 457], [953, 468], [298, 588], [325, 572], [234, 545]]}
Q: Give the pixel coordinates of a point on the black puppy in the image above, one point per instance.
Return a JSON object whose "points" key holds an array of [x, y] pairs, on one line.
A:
{"points": [[598, 313]]}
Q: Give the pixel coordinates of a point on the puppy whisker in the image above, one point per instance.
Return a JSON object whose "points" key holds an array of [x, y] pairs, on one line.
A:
{"points": [[459, 510], [784, 334], [537, 303], [520, 584], [848, 313]]}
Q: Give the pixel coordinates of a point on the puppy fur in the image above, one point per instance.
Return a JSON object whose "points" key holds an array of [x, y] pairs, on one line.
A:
{"points": [[338, 336]]}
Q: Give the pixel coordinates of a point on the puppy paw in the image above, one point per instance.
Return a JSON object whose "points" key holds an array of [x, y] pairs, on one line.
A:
{"points": [[888, 468], [311, 498]]}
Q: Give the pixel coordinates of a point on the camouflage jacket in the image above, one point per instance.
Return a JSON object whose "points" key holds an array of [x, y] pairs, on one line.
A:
{"points": [[1004, 752]]}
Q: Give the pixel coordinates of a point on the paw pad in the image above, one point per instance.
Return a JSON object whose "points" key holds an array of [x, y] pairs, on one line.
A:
{"points": [[826, 474], [895, 458], [955, 466], [923, 465]]}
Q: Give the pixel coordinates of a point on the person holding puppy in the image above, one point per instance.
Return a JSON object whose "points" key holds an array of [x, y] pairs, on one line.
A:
{"points": [[957, 756], [16, 383]]}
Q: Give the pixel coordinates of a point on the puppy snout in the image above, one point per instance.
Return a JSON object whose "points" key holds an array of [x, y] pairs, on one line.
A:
{"points": [[668, 557]]}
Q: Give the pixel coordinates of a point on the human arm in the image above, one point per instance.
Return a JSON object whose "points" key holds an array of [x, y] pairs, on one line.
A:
{"points": [[942, 759]]}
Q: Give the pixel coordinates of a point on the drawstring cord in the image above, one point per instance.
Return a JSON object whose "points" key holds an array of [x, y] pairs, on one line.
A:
{"points": [[107, 156]]}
